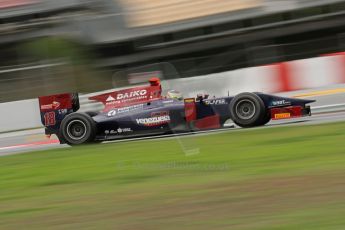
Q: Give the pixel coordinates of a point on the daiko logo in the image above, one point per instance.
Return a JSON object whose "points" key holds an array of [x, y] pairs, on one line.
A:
{"points": [[137, 93], [127, 97], [110, 98]]}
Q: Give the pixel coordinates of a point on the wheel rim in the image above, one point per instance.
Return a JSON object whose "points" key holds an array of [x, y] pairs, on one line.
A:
{"points": [[76, 130], [245, 109]]}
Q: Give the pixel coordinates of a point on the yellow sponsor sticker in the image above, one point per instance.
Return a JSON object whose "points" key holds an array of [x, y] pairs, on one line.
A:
{"points": [[189, 100], [282, 115]]}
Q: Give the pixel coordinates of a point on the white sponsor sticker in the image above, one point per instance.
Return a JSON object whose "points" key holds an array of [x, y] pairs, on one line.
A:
{"points": [[127, 109], [118, 131], [167, 102], [282, 102], [123, 130], [112, 113], [216, 102], [62, 111], [154, 121]]}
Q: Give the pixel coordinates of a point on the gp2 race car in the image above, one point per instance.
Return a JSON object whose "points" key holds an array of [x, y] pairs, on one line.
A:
{"points": [[143, 111]]}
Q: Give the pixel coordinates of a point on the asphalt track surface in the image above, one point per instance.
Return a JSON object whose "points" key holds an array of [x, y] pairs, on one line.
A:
{"points": [[35, 140]]}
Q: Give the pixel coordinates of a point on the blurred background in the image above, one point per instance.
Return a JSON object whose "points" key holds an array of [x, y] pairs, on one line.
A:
{"points": [[52, 46], [279, 178]]}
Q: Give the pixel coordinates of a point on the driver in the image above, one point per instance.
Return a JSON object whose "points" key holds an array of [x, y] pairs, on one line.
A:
{"points": [[174, 94]]}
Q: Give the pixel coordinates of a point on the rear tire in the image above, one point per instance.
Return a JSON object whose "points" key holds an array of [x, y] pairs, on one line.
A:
{"points": [[248, 110], [78, 128]]}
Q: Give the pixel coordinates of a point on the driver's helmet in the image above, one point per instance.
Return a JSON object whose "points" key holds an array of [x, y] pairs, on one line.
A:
{"points": [[174, 94]]}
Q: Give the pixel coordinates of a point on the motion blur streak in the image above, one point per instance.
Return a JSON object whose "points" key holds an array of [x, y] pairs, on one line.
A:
{"points": [[15, 3], [288, 174], [153, 12], [41, 143]]}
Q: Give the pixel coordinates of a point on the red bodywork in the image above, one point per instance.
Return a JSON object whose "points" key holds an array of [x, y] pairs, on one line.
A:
{"points": [[286, 112], [54, 102], [190, 109], [132, 96], [210, 122], [54, 108]]}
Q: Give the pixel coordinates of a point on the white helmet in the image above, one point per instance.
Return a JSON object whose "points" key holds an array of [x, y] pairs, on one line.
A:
{"points": [[173, 94]]}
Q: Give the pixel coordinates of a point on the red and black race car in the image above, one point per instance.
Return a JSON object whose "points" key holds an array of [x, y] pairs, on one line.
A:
{"points": [[143, 111]]}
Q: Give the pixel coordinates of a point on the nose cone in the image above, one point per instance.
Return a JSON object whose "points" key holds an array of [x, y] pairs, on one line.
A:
{"points": [[308, 101]]}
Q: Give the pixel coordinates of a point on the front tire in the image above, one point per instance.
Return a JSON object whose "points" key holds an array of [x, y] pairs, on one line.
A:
{"points": [[265, 120], [248, 110], [78, 128]]}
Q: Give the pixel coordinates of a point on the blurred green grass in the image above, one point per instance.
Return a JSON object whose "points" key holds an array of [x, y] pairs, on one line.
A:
{"points": [[278, 178]]}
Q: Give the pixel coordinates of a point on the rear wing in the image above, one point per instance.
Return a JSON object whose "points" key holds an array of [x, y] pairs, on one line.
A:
{"points": [[54, 108]]}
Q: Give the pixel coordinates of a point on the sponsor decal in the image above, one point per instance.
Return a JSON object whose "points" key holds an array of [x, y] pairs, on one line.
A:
{"points": [[127, 97], [113, 102], [127, 109], [110, 98], [137, 93], [216, 102], [130, 108], [124, 130], [54, 105], [279, 103], [167, 102], [282, 115], [118, 131], [189, 100], [112, 113], [156, 119], [62, 111]]}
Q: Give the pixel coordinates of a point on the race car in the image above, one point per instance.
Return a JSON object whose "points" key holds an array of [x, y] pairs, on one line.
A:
{"points": [[143, 111]]}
